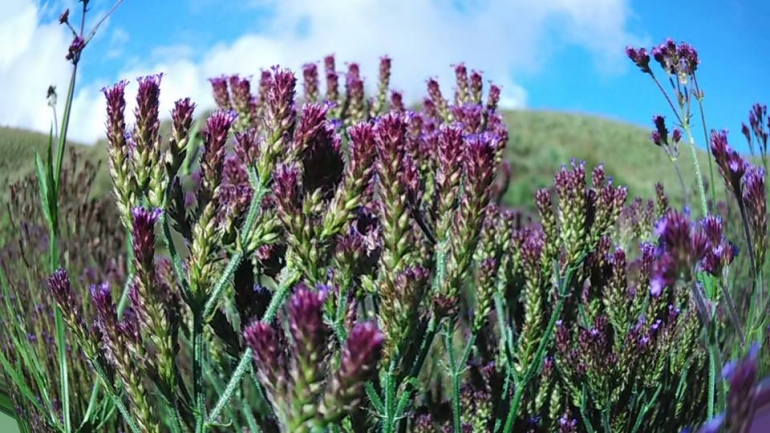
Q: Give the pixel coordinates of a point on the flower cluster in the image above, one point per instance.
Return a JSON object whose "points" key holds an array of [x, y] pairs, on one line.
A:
{"points": [[93, 242], [294, 368], [339, 262], [686, 248]]}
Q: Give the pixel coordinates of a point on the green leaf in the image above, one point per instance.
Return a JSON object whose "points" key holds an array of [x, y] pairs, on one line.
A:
{"points": [[42, 179], [63, 133], [192, 149], [92, 402], [411, 384], [19, 382], [374, 398]]}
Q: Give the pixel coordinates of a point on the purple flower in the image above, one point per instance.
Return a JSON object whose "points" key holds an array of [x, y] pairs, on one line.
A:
{"points": [[116, 105], [332, 79], [221, 92], [215, 138], [660, 135], [479, 163], [182, 114], [384, 72], [144, 234], [74, 50], [712, 226], [362, 148], [640, 58], [280, 99], [434, 92], [567, 424], [247, 147], [731, 165], [242, 100], [322, 160], [288, 191], [59, 284], [148, 100], [269, 356], [311, 81], [493, 99], [357, 366], [397, 101], [470, 115], [688, 58], [666, 55], [354, 86], [461, 78], [308, 330], [755, 200], [742, 377]]}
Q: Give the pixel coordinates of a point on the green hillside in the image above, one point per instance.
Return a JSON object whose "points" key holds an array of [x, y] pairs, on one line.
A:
{"points": [[540, 142], [18, 148]]}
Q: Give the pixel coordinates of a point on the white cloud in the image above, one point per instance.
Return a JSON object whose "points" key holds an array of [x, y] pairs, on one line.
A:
{"points": [[31, 59], [424, 37], [118, 40]]}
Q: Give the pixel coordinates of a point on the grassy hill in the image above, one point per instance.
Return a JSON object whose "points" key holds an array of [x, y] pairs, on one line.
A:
{"points": [[540, 142], [17, 156]]}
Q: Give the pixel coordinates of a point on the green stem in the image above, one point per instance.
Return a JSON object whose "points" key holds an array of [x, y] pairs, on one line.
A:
{"points": [[116, 399], [668, 99], [61, 337], [453, 368], [218, 385], [123, 302], [696, 164], [685, 193], [235, 261], [514, 408], [199, 398], [245, 362], [223, 281], [537, 361], [427, 342], [747, 233], [389, 391], [507, 339], [243, 367], [706, 138], [721, 389], [176, 259], [64, 128], [61, 340], [712, 384], [279, 297], [686, 126]]}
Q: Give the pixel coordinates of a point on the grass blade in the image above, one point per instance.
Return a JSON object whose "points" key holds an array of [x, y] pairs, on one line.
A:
{"points": [[61, 342]]}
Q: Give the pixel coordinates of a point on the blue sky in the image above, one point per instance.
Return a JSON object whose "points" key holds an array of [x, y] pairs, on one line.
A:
{"points": [[551, 54]]}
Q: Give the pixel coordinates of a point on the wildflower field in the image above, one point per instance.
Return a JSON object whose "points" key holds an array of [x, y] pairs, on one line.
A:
{"points": [[309, 257]]}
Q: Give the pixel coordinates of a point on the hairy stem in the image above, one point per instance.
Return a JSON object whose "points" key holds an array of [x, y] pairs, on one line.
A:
{"points": [[199, 398], [696, 164], [244, 365], [705, 137]]}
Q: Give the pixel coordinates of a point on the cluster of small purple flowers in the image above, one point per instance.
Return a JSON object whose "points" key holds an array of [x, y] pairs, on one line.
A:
{"points": [[321, 244]]}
